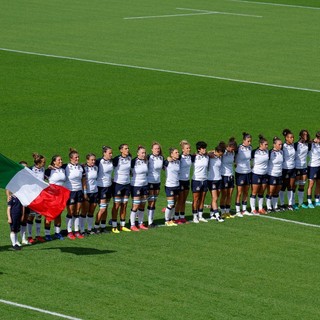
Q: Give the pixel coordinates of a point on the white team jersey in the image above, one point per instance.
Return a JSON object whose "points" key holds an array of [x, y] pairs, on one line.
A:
{"points": [[275, 163], [172, 173], [39, 173], [242, 159], [289, 156], [260, 161], [200, 167], [139, 170], [105, 169], [74, 174], [302, 150], [185, 165], [214, 172], [314, 154], [155, 164], [227, 162], [56, 176], [91, 178], [122, 168]]}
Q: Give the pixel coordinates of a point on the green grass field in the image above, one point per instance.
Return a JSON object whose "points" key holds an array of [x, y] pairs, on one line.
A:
{"points": [[251, 268]]}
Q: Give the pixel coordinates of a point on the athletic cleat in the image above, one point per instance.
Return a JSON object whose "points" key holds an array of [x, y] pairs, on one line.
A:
{"points": [[247, 213], [58, 236], [290, 208], [218, 218], [195, 220], [40, 239], [18, 244], [134, 228], [278, 210], [115, 230], [152, 225], [269, 210], [143, 227], [71, 236], [31, 240], [254, 212], [295, 207], [304, 206], [16, 247], [262, 211], [125, 229], [203, 219], [103, 230], [78, 235], [230, 216], [310, 206], [183, 220], [239, 214], [48, 238], [177, 221], [170, 224], [282, 208], [225, 216], [317, 203], [25, 241]]}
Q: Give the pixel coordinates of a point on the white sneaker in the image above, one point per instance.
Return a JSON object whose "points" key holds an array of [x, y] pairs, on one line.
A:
{"points": [[247, 213], [18, 244], [239, 214], [218, 218], [212, 217], [195, 220], [203, 219], [25, 241]]}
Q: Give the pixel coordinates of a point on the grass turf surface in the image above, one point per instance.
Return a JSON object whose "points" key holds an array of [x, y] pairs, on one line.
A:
{"points": [[245, 269]]}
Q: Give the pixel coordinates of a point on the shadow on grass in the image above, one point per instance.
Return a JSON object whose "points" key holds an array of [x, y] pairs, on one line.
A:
{"points": [[5, 248], [81, 251]]}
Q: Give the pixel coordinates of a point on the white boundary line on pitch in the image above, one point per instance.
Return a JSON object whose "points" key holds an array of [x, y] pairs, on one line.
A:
{"points": [[197, 12], [38, 310], [161, 70], [277, 4]]}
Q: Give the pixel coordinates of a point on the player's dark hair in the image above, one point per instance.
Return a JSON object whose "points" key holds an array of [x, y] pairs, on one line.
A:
{"points": [[54, 158], [232, 143], [301, 135], [262, 139], [105, 148], [221, 147], [90, 155], [171, 150], [286, 132], [72, 152], [318, 135], [24, 163], [122, 145], [140, 147], [37, 158], [246, 135], [275, 139], [201, 145]]}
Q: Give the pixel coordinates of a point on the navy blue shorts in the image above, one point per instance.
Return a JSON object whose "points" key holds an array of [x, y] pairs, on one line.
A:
{"points": [[227, 182], [274, 181], [288, 173], [259, 179], [172, 191], [199, 186], [214, 185], [105, 193], [75, 197], [154, 186], [139, 191], [16, 221], [243, 179], [313, 173], [184, 185], [92, 197], [121, 190], [301, 172]]}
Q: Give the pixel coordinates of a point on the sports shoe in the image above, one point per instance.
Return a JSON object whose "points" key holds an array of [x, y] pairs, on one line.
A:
{"points": [[18, 244], [282, 208], [103, 230], [134, 228], [239, 214], [183, 220], [310, 206], [225, 216], [304, 206], [247, 213], [40, 239], [218, 218], [31, 240], [71, 236], [115, 230], [170, 224], [143, 227], [177, 221], [290, 208], [78, 235], [317, 203], [254, 212], [203, 219], [25, 241], [230, 216], [295, 207], [125, 229], [262, 211], [152, 225], [58, 236], [48, 237], [269, 210], [16, 247], [195, 220], [278, 210]]}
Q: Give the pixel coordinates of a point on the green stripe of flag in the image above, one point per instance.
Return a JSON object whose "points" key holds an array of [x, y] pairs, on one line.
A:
{"points": [[8, 169]]}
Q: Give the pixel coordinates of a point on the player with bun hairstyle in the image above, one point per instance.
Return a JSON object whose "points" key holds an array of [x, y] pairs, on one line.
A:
{"points": [[243, 174], [215, 179], [274, 175], [38, 169], [104, 183], [302, 147], [139, 188], [90, 193], [55, 174], [121, 185], [172, 185], [184, 182], [199, 183], [288, 171], [227, 162], [259, 176], [155, 164], [75, 179], [314, 172]]}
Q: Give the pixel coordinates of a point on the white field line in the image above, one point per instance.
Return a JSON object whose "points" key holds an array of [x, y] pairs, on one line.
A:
{"points": [[160, 70], [38, 310], [196, 13], [276, 4]]}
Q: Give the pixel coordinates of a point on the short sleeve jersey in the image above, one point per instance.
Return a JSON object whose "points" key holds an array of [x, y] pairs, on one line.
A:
{"points": [[227, 163], [122, 168], [39, 173], [55, 176], [105, 169], [275, 163], [289, 155], [185, 165], [139, 170], [243, 159], [91, 173], [172, 169], [200, 167], [155, 164], [214, 172], [314, 154], [74, 175], [302, 149], [260, 161]]}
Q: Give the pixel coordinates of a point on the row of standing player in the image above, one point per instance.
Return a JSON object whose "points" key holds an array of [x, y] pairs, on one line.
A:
{"points": [[281, 168]]}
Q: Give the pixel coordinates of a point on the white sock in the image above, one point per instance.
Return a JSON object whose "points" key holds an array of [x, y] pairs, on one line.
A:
{"points": [[133, 218], [76, 223], [69, 224], [260, 203], [38, 227], [13, 238], [29, 227], [244, 207], [195, 216], [23, 233], [47, 232], [275, 202], [238, 208], [150, 216], [140, 216], [89, 222], [167, 214], [281, 196], [269, 203], [171, 214], [57, 229], [253, 203], [290, 197], [200, 214], [82, 221], [309, 201], [300, 197]]}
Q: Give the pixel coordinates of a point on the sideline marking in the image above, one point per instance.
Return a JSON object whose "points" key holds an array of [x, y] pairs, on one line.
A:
{"points": [[162, 70], [38, 310], [276, 4]]}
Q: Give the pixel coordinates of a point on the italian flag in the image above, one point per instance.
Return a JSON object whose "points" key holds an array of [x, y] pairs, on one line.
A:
{"points": [[46, 199]]}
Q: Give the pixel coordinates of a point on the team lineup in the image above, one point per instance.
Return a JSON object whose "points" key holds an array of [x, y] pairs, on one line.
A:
{"points": [[268, 172]]}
